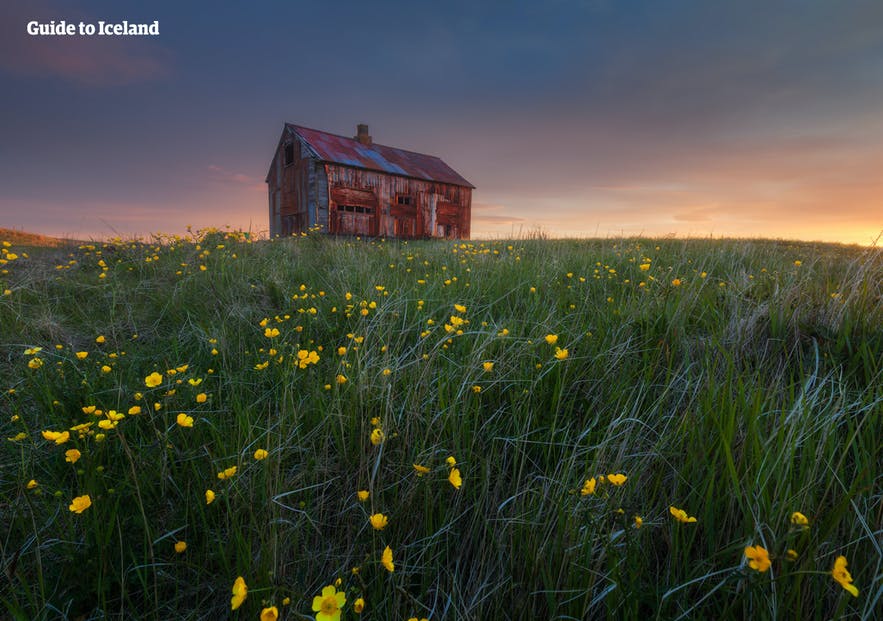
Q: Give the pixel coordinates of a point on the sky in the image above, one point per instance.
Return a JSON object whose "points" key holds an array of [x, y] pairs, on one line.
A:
{"points": [[574, 118]]}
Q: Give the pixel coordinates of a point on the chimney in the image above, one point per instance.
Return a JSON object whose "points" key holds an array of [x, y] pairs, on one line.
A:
{"points": [[362, 136]]}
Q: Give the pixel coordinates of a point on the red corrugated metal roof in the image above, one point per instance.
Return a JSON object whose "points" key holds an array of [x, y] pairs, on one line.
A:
{"points": [[350, 152]]}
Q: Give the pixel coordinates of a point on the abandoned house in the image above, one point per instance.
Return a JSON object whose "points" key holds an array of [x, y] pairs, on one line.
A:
{"points": [[352, 186]]}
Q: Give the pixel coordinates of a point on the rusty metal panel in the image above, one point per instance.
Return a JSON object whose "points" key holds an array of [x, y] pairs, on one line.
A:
{"points": [[350, 152]]}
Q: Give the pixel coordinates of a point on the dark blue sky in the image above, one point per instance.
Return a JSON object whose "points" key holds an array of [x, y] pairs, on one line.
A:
{"points": [[580, 117]]}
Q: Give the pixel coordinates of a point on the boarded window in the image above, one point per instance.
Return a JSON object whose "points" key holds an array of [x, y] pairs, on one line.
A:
{"points": [[289, 153], [404, 199]]}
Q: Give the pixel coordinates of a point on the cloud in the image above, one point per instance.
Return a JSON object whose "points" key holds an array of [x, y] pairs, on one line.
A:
{"points": [[222, 175], [487, 213], [93, 61]]}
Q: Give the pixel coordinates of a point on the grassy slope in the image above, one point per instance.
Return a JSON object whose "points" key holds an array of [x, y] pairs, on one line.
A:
{"points": [[741, 396]]}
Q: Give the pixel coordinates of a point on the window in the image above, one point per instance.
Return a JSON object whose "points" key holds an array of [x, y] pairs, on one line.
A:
{"points": [[355, 209], [404, 199], [289, 153]]}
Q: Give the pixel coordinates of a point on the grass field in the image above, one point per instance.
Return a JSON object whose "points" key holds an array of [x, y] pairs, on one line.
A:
{"points": [[535, 422]]}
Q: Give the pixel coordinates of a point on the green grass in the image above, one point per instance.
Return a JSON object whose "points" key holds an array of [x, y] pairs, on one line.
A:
{"points": [[751, 390]]}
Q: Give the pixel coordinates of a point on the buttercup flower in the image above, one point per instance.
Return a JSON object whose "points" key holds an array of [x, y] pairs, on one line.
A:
{"points": [[561, 354], [270, 614], [551, 339], [421, 470], [378, 521], [589, 487], [260, 454], [209, 496], [153, 380], [329, 604], [362, 495], [759, 558], [226, 474], [842, 576], [271, 333], [80, 504], [386, 560], [680, 515], [185, 421], [240, 592], [455, 479], [487, 366], [32, 484], [616, 479], [639, 521], [201, 397], [377, 436], [180, 547], [72, 455], [82, 355], [359, 606], [798, 519]]}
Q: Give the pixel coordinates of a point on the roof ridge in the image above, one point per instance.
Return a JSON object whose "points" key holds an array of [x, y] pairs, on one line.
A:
{"points": [[386, 146]]}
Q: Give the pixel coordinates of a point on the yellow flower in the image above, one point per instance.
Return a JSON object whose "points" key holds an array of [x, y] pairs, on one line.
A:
{"points": [[226, 474], [271, 333], [260, 454], [377, 436], [100, 338], [21, 435], [153, 380], [80, 504], [32, 484], [680, 515], [180, 547], [798, 519], [362, 495], [589, 487], [386, 560], [378, 521], [341, 351], [35, 363], [616, 479], [842, 575], [270, 614], [561, 354], [201, 397], [134, 410], [81, 355], [639, 521], [759, 558], [72, 455], [791, 554], [421, 470], [487, 366], [184, 420], [551, 339], [459, 308], [329, 604], [240, 592], [359, 606], [676, 282], [106, 369], [451, 461], [209, 496], [341, 379], [59, 437], [476, 389], [798, 263], [644, 267], [454, 478]]}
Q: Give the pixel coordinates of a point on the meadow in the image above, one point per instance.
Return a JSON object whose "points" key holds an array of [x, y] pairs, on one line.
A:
{"points": [[209, 427]]}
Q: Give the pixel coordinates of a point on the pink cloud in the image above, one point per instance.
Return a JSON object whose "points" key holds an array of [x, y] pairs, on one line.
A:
{"points": [[223, 175]]}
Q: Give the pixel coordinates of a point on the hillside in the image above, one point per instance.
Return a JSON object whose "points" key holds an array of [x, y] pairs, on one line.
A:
{"points": [[523, 429]]}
